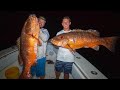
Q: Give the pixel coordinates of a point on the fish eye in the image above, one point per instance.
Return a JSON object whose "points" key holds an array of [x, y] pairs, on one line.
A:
{"points": [[61, 37]]}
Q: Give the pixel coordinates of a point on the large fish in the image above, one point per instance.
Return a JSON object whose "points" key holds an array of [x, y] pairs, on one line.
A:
{"points": [[77, 39], [28, 45]]}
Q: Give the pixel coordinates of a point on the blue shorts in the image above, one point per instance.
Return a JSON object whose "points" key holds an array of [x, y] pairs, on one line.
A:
{"points": [[39, 68], [61, 66]]}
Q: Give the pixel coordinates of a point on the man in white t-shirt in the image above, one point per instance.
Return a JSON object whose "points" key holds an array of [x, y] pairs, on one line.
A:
{"points": [[39, 67], [65, 57]]}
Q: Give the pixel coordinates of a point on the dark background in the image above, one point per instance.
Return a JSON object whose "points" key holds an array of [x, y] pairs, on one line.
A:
{"points": [[106, 21], [11, 22]]}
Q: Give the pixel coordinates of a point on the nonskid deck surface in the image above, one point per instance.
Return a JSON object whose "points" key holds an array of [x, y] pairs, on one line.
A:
{"points": [[50, 73]]}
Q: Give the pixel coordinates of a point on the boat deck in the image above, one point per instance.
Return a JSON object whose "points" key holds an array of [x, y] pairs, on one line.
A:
{"points": [[50, 74], [82, 68]]}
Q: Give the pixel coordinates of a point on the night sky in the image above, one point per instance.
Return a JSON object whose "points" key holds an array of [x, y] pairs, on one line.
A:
{"points": [[106, 22]]}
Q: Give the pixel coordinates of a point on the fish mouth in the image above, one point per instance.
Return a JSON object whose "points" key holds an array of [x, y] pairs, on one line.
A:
{"points": [[53, 42], [50, 40], [33, 15]]}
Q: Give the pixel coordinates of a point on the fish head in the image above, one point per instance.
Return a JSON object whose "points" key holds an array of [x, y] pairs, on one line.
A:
{"points": [[60, 40], [32, 20], [31, 25]]}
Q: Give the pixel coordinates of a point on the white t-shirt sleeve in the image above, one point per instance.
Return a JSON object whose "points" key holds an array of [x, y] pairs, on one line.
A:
{"points": [[44, 35], [60, 32]]}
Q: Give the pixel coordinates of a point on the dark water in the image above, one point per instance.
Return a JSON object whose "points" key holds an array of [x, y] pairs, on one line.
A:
{"points": [[106, 22]]}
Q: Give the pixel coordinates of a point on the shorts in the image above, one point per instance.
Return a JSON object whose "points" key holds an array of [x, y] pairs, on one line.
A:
{"points": [[65, 67], [39, 68]]}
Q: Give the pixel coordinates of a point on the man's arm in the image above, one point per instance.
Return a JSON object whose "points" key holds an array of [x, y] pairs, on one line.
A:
{"points": [[44, 35]]}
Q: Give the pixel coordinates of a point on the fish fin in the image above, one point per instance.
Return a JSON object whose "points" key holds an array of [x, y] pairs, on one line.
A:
{"points": [[18, 43], [35, 63], [32, 35], [67, 46], [39, 42], [71, 49], [96, 48], [86, 47], [25, 75], [94, 32], [109, 43], [20, 60]]}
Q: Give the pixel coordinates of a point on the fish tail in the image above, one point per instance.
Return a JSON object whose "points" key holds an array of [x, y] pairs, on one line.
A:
{"points": [[109, 43], [25, 73]]}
